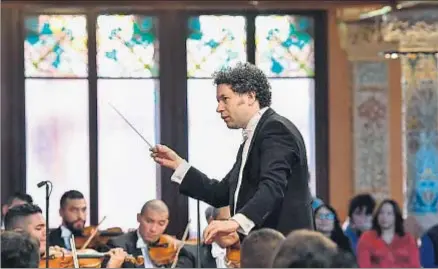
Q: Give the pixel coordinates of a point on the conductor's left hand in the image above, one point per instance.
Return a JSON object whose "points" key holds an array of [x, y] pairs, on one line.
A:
{"points": [[218, 228]]}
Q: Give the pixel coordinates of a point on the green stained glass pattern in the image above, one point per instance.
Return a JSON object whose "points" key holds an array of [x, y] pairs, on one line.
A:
{"points": [[285, 45], [127, 46], [55, 46], [214, 42]]}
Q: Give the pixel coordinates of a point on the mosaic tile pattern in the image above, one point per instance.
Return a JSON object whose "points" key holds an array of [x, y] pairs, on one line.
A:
{"points": [[420, 134], [371, 139]]}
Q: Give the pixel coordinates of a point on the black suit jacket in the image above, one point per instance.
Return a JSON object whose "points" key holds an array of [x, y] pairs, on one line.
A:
{"points": [[128, 242], [55, 238], [189, 258], [274, 192]]}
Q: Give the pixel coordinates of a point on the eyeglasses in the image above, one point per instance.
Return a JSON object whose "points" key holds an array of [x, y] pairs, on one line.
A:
{"points": [[326, 216]]}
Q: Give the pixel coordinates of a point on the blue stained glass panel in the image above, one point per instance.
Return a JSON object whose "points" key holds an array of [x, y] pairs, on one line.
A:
{"points": [[285, 45], [214, 42], [127, 46], [55, 46]]}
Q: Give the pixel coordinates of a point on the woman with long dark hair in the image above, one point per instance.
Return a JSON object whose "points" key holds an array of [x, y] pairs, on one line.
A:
{"points": [[387, 245], [327, 223]]}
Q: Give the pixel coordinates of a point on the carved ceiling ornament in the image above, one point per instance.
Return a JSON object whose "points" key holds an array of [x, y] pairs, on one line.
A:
{"points": [[362, 40], [414, 29]]}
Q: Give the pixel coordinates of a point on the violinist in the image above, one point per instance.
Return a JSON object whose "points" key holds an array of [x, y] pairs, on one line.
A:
{"points": [[153, 220], [17, 198], [212, 255], [73, 211], [29, 218]]}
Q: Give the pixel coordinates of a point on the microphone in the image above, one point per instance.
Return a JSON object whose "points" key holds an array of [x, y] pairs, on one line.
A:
{"points": [[42, 183], [49, 187]]}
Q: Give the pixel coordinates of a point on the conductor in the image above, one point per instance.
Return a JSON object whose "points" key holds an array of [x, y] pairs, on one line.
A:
{"points": [[268, 183]]}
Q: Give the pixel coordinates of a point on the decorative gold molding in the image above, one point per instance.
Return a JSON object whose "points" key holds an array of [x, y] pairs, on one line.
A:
{"points": [[353, 13], [363, 41], [412, 36]]}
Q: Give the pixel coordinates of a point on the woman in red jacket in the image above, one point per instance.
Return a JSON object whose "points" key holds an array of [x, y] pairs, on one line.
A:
{"points": [[387, 245]]}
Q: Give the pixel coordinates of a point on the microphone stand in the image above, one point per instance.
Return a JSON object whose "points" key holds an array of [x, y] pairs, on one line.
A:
{"points": [[48, 192], [198, 246]]}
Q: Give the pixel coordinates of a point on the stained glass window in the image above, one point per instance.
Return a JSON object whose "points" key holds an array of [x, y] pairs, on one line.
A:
{"points": [[56, 46], [214, 42], [285, 45], [127, 46]]}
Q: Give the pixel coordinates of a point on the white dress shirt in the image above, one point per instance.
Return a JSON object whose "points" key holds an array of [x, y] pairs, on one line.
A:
{"points": [[66, 235], [246, 225], [144, 250], [218, 254]]}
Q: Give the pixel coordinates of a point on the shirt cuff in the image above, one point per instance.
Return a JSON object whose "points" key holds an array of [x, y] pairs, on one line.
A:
{"points": [[180, 172], [245, 224]]}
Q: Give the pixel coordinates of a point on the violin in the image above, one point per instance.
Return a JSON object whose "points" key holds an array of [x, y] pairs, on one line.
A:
{"points": [[164, 250], [232, 258], [93, 238], [87, 258]]}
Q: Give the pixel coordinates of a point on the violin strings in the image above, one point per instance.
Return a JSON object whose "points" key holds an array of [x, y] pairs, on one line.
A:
{"points": [[93, 234]]}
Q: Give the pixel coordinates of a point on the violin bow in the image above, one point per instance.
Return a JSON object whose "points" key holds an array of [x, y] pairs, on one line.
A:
{"points": [[183, 239], [130, 125], [93, 234], [74, 252]]}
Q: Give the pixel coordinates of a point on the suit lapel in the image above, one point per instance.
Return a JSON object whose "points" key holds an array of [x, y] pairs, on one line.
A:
{"points": [[133, 245], [55, 238], [264, 117], [235, 176]]}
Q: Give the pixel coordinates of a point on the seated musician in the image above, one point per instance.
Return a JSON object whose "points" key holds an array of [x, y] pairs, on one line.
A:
{"points": [[19, 250], [153, 220], [73, 211], [17, 198], [212, 255], [29, 218]]}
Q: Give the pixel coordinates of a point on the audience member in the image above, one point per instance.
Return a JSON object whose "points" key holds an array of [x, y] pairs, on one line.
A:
{"points": [[387, 245], [429, 248], [19, 250], [307, 249], [360, 217], [258, 248], [327, 223]]}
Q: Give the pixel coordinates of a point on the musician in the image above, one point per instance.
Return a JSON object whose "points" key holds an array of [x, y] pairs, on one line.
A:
{"points": [[212, 255], [153, 220], [17, 198], [29, 218], [267, 186], [73, 212]]}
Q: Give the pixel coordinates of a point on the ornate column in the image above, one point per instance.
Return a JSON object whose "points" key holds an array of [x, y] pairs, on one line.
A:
{"points": [[417, 32], [370, 110]]}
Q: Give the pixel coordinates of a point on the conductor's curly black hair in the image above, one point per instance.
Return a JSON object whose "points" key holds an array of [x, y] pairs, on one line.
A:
{"points": [[245, 78]]}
